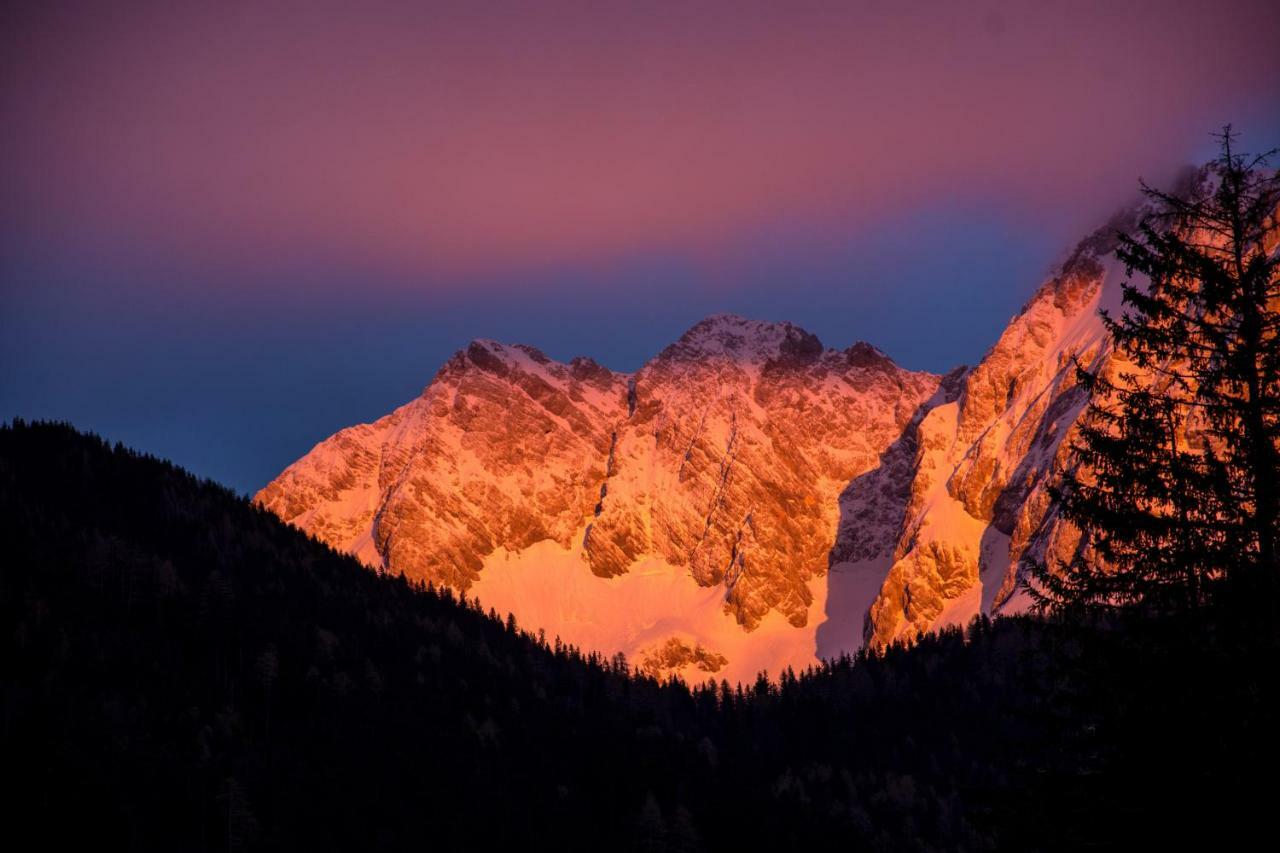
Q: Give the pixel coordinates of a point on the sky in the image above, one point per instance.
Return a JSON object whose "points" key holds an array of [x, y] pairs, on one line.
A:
{"points": [[229, 229]]}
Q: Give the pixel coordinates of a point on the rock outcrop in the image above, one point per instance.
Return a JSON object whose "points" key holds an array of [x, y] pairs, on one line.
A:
{"points": [[955, 523]]}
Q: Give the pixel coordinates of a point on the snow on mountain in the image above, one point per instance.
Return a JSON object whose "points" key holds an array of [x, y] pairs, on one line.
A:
{"points": [[736, 445], [695, 501], [966, 484], [503, 449], [747, 500]]}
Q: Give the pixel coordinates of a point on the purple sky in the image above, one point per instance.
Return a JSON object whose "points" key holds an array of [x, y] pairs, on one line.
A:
{"points": [[230, 229]]}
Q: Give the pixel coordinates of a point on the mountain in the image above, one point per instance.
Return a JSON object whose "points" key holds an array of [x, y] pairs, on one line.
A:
{"points": [[179, 670], [748, 500], [682, 515]]}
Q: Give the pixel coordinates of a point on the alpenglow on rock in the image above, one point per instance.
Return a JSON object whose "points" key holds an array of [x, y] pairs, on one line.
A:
{"points": [[721, 459], [962, 498]]}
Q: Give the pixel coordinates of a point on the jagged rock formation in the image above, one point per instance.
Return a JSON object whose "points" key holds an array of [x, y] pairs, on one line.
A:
{"points": [[952, 526], [722, 458], [978, 505], [503, 449], [737, 442]]}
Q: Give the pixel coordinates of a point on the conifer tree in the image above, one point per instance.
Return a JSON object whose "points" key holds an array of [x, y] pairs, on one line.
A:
{"points": [[1176, 484]]}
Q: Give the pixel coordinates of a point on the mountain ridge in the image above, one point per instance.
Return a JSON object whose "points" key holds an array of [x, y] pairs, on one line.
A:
{"points": [[828, 498], [716, 465]]}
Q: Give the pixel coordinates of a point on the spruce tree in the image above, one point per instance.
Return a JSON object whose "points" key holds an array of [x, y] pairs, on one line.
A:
{"points": [[1177, 462]]}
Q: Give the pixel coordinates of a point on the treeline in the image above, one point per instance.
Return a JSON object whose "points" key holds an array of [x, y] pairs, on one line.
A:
{"points": [[181, 671]]}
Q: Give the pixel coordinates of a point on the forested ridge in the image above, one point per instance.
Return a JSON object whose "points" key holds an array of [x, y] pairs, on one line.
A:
{"points": [[179, 670]]}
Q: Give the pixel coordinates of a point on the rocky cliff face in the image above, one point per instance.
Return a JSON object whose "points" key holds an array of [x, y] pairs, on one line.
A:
{"points": [[734, 450], [503, 449], [722, 459], [963, 497]]}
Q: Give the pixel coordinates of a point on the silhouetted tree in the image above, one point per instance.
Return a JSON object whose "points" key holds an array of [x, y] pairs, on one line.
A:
{"points": [[1179, 450]]}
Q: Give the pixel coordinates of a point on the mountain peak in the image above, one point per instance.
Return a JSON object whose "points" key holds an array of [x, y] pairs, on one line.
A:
{"points": [[863, 354], [499, 358], [741, 339], [495, 358], [521, 364]]}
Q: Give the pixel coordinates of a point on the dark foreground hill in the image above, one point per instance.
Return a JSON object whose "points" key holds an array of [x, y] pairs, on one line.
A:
{"points": [[181, 671]]}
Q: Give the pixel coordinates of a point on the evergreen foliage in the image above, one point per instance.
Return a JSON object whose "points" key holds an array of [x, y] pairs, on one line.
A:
{"points": [[1176, 484]]}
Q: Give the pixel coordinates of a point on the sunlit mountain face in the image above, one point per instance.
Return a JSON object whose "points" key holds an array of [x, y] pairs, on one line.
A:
{"points": [[748, 500]]}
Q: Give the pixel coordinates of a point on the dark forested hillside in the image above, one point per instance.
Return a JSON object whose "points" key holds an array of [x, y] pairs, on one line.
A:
{"points": [[181, 671]]}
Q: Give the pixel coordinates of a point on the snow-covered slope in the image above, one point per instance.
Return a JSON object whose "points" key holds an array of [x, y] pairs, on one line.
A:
{"points": [[962, 497]]}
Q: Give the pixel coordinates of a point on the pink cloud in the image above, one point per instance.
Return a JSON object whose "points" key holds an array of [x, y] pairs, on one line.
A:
{"points": [[489, 136]]}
